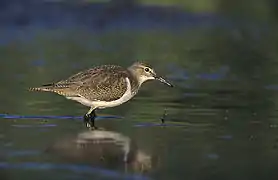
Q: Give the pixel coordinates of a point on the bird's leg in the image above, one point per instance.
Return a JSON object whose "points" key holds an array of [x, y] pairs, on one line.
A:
{"points": [[89, 118]]}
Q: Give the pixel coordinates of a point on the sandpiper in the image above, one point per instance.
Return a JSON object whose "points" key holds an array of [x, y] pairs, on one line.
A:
{"points": [[103, 86]]}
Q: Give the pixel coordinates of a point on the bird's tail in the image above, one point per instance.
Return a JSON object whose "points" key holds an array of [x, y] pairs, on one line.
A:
{"points": [[46, 87], [52, 88]]}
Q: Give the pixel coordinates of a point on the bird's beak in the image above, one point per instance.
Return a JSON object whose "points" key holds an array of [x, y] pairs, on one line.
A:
{"points": [[163, 81]]}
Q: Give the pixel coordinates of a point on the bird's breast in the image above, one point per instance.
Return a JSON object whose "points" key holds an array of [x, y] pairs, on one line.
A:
{"points": [[126, 96]]}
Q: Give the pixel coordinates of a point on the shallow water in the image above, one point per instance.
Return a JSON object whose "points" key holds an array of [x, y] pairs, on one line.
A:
{"points": [[221, 117]]}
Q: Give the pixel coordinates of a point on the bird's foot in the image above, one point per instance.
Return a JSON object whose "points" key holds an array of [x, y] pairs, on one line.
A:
{"points": [[89, 121]]}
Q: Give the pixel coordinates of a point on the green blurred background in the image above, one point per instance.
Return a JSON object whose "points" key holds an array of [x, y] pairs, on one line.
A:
{"points": [[220, 55]]}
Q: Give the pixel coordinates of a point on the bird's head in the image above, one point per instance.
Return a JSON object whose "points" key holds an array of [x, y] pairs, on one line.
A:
{"points": [[144, 72]]}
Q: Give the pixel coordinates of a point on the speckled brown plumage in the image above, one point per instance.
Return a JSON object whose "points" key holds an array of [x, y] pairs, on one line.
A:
{"points": [[103, 86], [104, 83]]}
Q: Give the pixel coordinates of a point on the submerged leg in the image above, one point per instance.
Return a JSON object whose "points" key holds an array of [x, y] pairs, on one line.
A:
{"points": [[89, 119]]}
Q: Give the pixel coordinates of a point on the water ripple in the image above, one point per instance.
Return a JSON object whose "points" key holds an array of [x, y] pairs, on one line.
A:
{"points": [[72, 167], [33, 126], [23, 153], [11, 116], [149, 124]]}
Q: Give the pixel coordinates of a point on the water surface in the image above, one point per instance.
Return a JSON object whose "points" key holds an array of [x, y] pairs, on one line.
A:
{"points": [[221, 120]]}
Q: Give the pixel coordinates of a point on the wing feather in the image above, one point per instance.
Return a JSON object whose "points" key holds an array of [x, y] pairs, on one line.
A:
{"points": [[104, 83]]}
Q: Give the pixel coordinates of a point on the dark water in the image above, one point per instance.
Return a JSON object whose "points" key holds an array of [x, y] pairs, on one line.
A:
{"points": [[221, 120]]}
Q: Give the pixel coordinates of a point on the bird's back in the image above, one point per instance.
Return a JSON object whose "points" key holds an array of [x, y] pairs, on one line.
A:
{"points": [[102, 83]]}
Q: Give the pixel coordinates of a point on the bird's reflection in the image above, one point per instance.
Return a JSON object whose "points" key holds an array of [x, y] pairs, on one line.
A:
{"points": [[103, 148]]}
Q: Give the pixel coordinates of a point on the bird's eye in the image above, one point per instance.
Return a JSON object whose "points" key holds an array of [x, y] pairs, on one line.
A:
{"points": [[147, 69]]}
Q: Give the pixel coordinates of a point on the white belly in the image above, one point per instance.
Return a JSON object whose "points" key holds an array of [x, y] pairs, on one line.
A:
{"points": [[105, 104]]}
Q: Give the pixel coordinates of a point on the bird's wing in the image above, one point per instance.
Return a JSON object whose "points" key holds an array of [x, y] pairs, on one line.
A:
{"points": [[104, 83]]}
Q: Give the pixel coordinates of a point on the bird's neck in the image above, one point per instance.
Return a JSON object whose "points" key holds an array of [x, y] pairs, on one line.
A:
{"points": [[134, 81]]}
